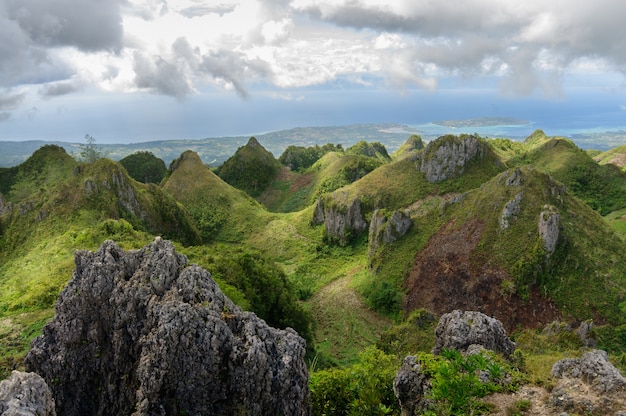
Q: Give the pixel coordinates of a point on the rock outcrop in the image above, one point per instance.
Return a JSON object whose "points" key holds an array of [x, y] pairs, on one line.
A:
{"points": [[25, 394], [510, 211], [459, 330], [588, 385], [145, 333], [411, 387], [341, 221], [383, 229], [467, 332], [548, 226], [594, 368], [447, 156]]}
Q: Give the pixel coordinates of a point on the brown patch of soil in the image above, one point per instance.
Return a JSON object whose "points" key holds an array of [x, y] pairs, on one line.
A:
{"points": [[301, 181], [443, 278]]}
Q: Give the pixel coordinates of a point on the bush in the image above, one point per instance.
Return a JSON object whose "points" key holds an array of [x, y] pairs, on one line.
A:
{"points": [[364, 388], [144, 167]]}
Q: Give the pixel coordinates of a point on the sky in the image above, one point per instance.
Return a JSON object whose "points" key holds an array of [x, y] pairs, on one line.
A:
{"points": [[136, 70]]}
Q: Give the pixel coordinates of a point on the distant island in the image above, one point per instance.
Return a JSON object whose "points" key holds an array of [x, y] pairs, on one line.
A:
{"points": [[482, 122]]}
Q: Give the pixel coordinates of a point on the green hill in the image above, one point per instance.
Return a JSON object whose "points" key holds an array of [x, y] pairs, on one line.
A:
{"points": [[250, 169], [220, 211], [509, 228]]}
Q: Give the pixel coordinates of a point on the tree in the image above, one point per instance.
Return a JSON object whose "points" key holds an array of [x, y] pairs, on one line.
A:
{"points": [[89, 152], [144, 166]]}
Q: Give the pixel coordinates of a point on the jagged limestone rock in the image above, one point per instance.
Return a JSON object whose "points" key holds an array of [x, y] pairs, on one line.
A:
{"points": [[411, 387], [515, 178], [447, 156], [588, 385], [387, 230], [341, 221], [511, 209], [467, 332], [594, 368], [145, 333], [25, 394], [548, 226], [459, 330]]}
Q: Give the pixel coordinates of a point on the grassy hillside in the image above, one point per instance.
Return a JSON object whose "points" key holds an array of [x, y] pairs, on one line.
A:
{"points": [[250, 169], [220, 211], [603, 187], [458, 253], [615, 156]]}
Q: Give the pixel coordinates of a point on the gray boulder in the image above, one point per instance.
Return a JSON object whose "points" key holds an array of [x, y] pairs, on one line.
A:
{"points": [[459, 330], [383, 229], [510, 211], [145, 333], [25, 394], [594, 368], [411, 387]]}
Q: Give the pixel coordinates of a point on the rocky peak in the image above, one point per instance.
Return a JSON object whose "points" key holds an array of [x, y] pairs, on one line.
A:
{"points": [[342, 221], [253, 142], [145, 333], [447, 156]]}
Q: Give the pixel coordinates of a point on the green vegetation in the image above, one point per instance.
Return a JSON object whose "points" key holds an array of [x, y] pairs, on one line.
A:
{"points": [[363, 388], [299, 158], [89, 152], [144, 167], [251, 228], [250, 169]]}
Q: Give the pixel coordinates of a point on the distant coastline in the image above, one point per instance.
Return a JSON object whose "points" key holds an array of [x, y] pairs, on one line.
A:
{"points": [[482, 122]]}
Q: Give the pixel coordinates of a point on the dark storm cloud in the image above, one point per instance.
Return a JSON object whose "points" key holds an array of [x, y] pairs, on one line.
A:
{"points": [[172, 75], [159, 75], [234, 68], [204, 9], [59, 88], [89, 25], [9, 101]]}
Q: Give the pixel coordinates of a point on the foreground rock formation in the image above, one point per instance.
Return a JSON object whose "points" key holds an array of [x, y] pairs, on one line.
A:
{"points": [[588, 385], [460, 330], [468, 332], [145, 333], [25, 394]]}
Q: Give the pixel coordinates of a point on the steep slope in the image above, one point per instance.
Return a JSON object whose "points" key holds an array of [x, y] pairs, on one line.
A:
{"points": [[220, 211], [59, 206], [603, 187], [615, 156], [522, 249], [250, 169], [447, 165]]}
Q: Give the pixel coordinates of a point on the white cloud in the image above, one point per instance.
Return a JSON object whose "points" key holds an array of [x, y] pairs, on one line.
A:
{"points": [[178, 47]]}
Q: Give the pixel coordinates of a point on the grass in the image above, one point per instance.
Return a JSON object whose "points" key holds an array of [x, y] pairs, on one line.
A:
{"points": [[16, 331], [345, 324]]}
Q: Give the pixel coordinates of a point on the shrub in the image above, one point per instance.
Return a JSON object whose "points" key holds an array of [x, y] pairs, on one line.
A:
{"points": [[364, 388], [144, 167]]}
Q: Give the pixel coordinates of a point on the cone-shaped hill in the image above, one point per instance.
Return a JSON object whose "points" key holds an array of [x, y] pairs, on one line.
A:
{"points": [[603, 187], [251, 169], [220, 211], [56, 205]]}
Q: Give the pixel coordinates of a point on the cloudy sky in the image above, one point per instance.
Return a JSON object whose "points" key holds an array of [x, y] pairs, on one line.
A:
{"points": [[133, 70]]}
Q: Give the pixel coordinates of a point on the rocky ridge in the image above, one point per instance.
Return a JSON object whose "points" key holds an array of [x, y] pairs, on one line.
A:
{"points": [[145, 333]]}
